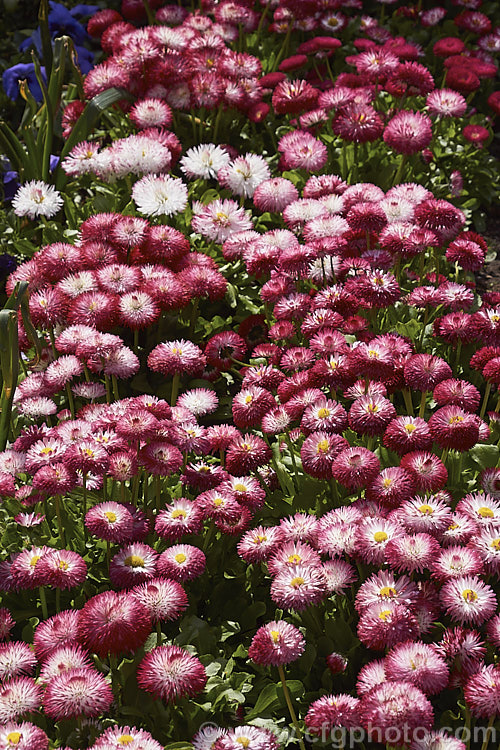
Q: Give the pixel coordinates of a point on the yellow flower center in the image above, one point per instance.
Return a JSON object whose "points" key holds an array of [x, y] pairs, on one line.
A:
{"points": [[296, 582], [485, 512], [469, 595], [180, 557], [240, 488], [452, 526], [34, 560], [248, 399], [323, 446], [380, 536], [426, 510], [125, 739], [134, 561], [387, 482], [244, 741], [495, 544], [275, 635], [294, 559], [110, 516], [14, 738], [63, 565], [455, 419], [323, 413], [388, 592], [218, 501], [410, 428], [385, 615], [373, 353], [372, 408], [178, 513], [45, 451]]}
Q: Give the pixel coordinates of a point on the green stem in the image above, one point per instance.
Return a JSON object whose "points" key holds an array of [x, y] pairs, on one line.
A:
{"points": [[58, 600], [408, 402], [422, 404], [60, 527], [399, 173], [116, 392], [159, 634], [488, 732], [291, 710], [485, 399], [43, 602], [175, 389], [71, 401]]}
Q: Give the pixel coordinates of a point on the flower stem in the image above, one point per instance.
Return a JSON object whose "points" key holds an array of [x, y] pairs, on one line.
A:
{"points": [[291, 710], [488, 732], [60, 527], [485, 399], [175, 389], [43, 602]]}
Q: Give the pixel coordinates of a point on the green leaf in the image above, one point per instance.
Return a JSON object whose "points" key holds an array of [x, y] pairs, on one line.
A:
{"points": [[267, 700], [485, 455]]}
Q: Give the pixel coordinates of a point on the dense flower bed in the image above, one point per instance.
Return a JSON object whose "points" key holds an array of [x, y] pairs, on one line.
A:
{"points": [[250, 480]]}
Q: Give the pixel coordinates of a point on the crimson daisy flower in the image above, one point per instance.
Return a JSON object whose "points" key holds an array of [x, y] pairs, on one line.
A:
{"points": [[355, 467], [332, 711], [76, 693], [113, 623], [171, 672], [276, 643]]}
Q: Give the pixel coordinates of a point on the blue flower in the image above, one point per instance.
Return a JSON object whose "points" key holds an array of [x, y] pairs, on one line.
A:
{"points": [[7, 265], [10, 184], [84, 10], [19, 72], [62, 22]]}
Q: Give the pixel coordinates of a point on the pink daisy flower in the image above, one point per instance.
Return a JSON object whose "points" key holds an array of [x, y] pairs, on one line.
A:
{"points": [[171, 672], [298, 587], [76, 693], [468, 599], [419, 664], [182, 562], [276, 643]]}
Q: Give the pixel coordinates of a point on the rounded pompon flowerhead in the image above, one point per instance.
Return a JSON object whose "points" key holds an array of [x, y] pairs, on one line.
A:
{"points": [[162, 598], [133, 564], [177, 357], [276, 643], [37, 198], [408, 132], [482, 691], [392, 708], [417, 663], [19, 696], [249, 737], [171, 672], [298, 587], [113, 623], [59, 630], [160, 195], [355, 467], [332, 711], [452, 427], [76, 693]]}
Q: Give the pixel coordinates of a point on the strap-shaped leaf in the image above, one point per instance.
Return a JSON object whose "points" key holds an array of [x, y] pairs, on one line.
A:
{"points": [[9, 365], [11, 146], [43, 18]]}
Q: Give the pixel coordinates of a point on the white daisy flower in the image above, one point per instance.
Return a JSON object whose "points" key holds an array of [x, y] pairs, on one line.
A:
{"points": [[204, 160], [37, 198], [160, 195]]}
